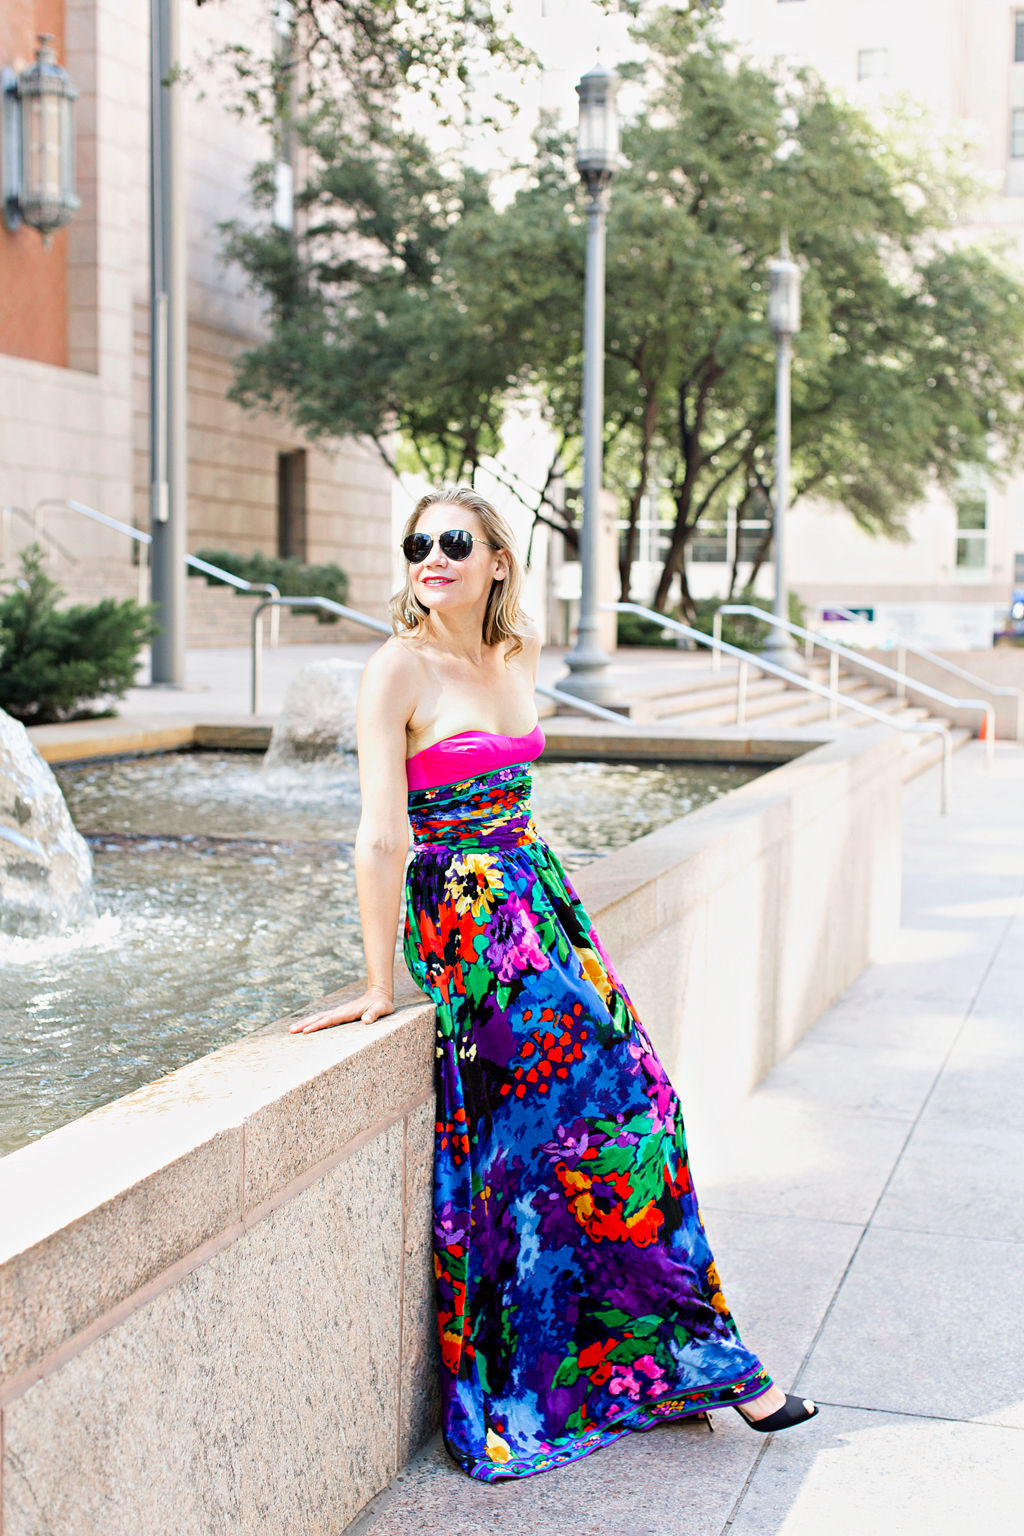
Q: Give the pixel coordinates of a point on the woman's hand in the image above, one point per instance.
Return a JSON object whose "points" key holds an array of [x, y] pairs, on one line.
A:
{"points": [[374, 1004]]}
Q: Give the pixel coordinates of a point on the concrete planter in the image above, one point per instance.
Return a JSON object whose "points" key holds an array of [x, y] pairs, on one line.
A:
{"points": [[216, 1293]]}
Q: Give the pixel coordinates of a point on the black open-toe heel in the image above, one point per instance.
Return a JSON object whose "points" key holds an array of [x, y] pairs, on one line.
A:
{"points": [[795, 1410]]}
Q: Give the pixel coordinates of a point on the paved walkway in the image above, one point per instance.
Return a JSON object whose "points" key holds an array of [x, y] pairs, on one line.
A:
{"points": [[866, 1206], [219, 681]]}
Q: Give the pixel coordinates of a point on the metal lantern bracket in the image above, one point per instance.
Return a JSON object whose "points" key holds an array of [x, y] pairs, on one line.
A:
{"points": [[39, 144], [11, 149]]}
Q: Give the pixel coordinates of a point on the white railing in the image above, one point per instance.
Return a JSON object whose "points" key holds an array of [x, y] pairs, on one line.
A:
{"points": [[836, 651], [379, 627], [902, 647], [137, 534], [794, 680]]}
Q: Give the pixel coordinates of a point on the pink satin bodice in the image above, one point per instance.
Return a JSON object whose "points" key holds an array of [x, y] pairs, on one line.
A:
{"points": [[468, 754]]}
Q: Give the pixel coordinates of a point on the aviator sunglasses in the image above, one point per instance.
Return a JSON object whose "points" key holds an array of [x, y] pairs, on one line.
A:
{"points": [[456, 544]]}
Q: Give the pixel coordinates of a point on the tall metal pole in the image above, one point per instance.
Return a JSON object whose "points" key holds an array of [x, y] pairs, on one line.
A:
{"points": [[587, 661], [784, 322], [597, 153], [783, 361], [168, 493]]}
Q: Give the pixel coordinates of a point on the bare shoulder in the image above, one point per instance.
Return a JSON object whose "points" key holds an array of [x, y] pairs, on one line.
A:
{"points": [[395, 673], [528, 657]]}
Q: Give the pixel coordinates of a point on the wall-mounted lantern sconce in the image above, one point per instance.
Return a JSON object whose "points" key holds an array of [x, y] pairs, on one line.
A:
{"points": [[39, 144]]}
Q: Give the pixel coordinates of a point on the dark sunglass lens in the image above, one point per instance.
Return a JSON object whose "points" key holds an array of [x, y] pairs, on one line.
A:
{"points": [[417, 547], [457, 544]]}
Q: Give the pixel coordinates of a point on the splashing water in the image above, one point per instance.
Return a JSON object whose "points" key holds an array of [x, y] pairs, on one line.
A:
{"points": [[227, 898], [319, 716], [45, 867]]}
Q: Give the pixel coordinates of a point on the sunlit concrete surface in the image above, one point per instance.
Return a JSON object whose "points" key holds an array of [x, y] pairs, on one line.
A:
{"points": [[865, 1206]]}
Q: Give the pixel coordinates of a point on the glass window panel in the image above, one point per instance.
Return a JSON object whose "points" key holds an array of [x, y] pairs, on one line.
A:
{"points": [[872, 63], [1017, 133], [710, 546], [1018, 39], [970, 512], [970, 554]]}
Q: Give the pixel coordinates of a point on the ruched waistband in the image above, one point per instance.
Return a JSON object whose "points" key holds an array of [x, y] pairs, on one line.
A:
{"points": [[490, 812]]}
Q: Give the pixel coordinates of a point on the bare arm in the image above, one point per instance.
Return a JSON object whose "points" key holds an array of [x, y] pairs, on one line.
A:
{"points": [[386, 701]]}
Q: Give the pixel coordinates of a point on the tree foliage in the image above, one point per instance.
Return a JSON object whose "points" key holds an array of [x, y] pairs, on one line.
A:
{"points": [[411, 305], [53, 662], [362, 55], [291, 576]]}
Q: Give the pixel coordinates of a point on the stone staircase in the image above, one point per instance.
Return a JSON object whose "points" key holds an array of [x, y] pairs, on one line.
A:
{"points": [[694, 698]]}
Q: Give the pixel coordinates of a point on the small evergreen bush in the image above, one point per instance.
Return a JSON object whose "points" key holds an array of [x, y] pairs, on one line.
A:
{"points": [[290, 576], [54, 662], [634, 629]]}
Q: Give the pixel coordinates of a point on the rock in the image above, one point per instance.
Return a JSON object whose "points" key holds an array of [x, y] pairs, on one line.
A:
{"points": [[45, 866], [319, 716]]}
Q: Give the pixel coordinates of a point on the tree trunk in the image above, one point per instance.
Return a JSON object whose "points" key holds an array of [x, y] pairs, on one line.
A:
{"points": [[629, 553]]}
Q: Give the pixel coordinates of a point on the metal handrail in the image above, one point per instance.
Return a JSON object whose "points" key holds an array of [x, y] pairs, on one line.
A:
{"points": [[380, 628], [5, 525], [585, 705], [794, 679], [147, 538], [903, 646], [276, 603], [836, 650]]}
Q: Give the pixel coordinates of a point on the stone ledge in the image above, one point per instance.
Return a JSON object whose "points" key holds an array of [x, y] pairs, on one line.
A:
{"points": [[721, 839], [98, 1209]]}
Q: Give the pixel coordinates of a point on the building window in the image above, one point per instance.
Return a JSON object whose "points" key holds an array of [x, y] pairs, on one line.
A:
{"points": [[711, 544], [872, 64], [291, 504], [971, 523], [1018, 38], [1018, 570], [1017, 133]]}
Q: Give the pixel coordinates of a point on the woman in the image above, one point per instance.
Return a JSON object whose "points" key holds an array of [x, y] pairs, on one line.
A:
{"points": [[577, 1297]]}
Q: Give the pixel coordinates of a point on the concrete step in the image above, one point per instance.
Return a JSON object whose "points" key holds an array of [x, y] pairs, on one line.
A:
{"points": [[696, 702], [928, 750]]}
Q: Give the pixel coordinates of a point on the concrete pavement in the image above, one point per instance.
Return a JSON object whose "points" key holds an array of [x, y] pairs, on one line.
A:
{"points": [[865, 1205]]}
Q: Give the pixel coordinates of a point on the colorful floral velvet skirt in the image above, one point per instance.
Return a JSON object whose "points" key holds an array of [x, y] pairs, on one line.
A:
{"points": [[577, 1296]]}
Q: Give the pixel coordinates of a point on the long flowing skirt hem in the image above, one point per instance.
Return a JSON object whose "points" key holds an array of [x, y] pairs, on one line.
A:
{"points": [[684, 1405]]}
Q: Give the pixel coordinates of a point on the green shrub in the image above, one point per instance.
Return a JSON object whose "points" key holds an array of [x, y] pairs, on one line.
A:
{"points": [[738, 629], [290, 577], [634, 629], [741, 629], [54, 662]]}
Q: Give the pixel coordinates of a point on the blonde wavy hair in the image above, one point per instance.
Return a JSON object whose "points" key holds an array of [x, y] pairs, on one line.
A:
{"points": [[503, 617]]}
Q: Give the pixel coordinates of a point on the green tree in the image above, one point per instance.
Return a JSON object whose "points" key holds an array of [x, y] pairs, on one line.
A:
{"points": [[52, 661], [909, 364]]}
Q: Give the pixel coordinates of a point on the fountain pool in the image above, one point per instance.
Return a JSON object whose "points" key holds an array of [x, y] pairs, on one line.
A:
{"points": [[225, 898]]}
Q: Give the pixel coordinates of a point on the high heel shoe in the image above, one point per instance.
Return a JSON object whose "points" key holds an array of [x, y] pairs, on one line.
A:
{"points": [[795, 1410]]}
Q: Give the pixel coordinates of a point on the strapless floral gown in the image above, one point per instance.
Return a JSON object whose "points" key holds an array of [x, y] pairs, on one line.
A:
{"points": [[577, 1296]]}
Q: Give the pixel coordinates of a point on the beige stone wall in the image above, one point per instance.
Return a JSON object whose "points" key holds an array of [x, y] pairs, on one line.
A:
{"points": [[233, 475], [216, 1293], [82, 432]]}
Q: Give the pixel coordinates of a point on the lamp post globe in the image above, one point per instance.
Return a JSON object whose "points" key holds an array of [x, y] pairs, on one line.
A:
{"points": [[783, 322], [597, 160], [39, 144]]}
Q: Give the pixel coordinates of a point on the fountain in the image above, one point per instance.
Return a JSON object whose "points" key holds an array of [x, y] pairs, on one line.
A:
{"points": [[319, 716], [45, 866]]}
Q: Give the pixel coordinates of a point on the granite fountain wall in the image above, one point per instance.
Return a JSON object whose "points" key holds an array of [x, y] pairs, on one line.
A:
{"points": [[216, 1293]]}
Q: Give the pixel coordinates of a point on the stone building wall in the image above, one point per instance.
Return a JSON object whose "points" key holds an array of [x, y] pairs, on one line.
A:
{"points": [[74, 422]]}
